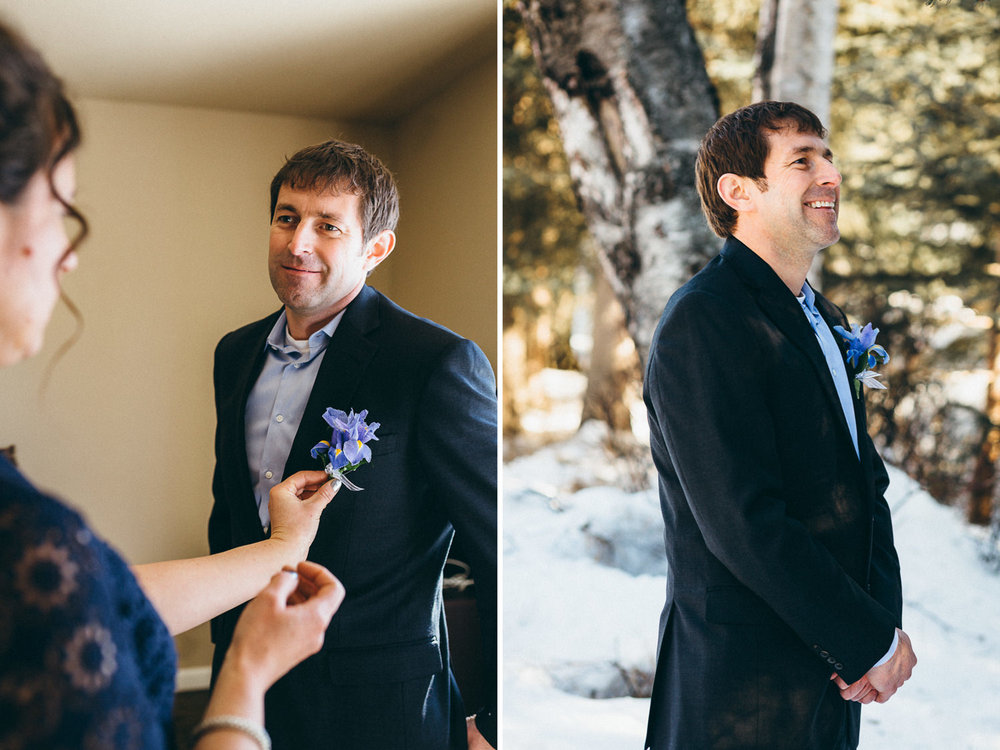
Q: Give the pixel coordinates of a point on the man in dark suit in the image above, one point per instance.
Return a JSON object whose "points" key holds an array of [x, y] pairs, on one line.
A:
{"points": [[783, 607], [383, 679]]}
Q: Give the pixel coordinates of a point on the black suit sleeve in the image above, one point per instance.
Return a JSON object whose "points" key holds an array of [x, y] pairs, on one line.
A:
{"points": [[714, 405], [886, 585], [458, 444]]}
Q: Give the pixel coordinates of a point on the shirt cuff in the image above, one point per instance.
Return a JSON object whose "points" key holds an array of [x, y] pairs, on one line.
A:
{"points": [[890, 652]]}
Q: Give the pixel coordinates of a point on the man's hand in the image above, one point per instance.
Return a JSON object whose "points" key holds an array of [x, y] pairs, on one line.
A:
{"points": [[476, 740], [881, 683], [860, 691]]}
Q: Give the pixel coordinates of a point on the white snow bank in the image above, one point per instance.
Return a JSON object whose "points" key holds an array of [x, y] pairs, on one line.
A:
{"points": [[576, 627]]}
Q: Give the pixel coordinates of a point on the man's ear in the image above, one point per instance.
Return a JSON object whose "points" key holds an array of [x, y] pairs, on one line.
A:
{"points": [[734, 190], [379, 249]]}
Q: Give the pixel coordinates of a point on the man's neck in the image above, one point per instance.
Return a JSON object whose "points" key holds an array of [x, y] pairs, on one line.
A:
{"points": [[791, 266], [302, 326]]}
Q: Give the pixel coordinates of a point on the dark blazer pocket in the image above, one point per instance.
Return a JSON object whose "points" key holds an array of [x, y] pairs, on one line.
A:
{"points": [[732, 605], [385, 444], [393, 662]]}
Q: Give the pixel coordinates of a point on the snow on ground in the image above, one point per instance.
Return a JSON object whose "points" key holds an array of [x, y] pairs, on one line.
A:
{"points": [[576, 624]]}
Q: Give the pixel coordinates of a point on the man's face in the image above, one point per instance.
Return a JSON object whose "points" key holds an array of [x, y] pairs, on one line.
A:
{"points": [[802, 199], [317, 260]]}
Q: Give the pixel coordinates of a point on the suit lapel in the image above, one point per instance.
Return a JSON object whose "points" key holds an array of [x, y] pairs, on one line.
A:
{"points": [[784, 310], [340, 374], [834, 316]]}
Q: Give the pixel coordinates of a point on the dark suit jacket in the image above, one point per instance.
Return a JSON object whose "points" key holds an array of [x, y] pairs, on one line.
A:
{"points": [[382, 679], [782, 567]]}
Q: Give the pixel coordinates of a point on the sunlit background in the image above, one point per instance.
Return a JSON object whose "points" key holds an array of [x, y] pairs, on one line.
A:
{"points": [[915, 128]]}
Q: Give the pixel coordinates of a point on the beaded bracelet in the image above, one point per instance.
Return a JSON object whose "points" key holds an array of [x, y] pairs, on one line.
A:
{"points": [[249, 728]]}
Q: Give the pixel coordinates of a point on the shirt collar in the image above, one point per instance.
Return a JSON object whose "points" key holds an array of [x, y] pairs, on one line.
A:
{"points": [[808, 297], [278, 341]]}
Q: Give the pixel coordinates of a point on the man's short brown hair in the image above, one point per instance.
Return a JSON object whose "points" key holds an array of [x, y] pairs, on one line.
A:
{"points": [[737, 144]]}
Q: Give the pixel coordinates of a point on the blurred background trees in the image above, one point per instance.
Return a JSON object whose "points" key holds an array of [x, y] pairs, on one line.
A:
{"points": [[915, 126]]}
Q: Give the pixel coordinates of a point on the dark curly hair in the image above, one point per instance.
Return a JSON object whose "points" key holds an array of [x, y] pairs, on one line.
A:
{"points": [[38, 126]]}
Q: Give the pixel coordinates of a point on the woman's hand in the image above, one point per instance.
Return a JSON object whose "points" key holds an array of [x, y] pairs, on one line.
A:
{"points": [[296, 505], [284, 624]]}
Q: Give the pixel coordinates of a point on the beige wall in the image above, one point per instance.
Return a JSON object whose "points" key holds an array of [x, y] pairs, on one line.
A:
{"points": [[177, 200], [445, 265]]}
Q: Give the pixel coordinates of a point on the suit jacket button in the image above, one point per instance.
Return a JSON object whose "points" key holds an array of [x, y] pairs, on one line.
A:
{"points": [[838, 666], [824, 654], [831, 660]]}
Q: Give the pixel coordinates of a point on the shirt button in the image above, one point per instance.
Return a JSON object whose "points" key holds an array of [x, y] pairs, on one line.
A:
{"points": [[279, 418], [268, 474]]}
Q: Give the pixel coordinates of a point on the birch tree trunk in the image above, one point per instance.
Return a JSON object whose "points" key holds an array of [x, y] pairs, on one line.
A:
{"points": [[793, 62], [632, 98], [612, 361], [795, 53]]}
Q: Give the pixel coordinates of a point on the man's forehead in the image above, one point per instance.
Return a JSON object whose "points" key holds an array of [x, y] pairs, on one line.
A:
{"points": [[790, 139], [321, 200], [319, 189]]}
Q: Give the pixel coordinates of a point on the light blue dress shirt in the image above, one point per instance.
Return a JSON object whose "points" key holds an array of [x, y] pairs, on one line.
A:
{"points": [[838, 371], [834, 359], [277, 402]]}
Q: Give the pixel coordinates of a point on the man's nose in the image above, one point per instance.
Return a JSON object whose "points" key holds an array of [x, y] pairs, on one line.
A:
{"points": [[301, 240], [829, 175]]}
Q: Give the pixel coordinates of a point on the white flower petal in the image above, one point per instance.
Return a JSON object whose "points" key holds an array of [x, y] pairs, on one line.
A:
{"points": [[869, 378]]}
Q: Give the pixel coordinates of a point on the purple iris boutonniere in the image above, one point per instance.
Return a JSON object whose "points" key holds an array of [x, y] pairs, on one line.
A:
{"points": [[347, 449], [863, 354]]}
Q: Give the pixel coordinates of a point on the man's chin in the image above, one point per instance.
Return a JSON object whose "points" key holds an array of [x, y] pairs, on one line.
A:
{"points": [[826, 238]]}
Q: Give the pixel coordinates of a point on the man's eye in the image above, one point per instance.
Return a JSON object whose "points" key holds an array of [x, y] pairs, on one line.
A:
{"points": [[284, 219], [330, 228]]}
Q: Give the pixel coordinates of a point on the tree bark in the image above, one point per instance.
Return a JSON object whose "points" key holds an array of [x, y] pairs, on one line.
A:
{"points": [[795, 56], [633, 99], [793, 62], [612, 361]]}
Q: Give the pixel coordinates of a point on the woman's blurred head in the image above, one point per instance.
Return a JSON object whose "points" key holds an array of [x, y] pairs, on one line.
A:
{"points": [[38, 133]]}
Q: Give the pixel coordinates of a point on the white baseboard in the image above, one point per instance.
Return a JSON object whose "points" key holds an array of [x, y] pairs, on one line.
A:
{"points": [[193, 678]]}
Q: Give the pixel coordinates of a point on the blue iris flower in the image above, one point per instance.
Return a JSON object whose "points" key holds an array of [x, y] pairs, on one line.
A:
{"points": [[861, 344], [348, 446], [861, 347]]}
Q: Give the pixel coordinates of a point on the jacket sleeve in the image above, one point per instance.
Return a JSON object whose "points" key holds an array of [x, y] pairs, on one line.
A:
{"points": [[885, 583], [458, 442], [218, 521]]}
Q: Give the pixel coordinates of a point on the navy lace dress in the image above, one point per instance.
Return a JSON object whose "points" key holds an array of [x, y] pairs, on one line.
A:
{"points": [[85, 661]]}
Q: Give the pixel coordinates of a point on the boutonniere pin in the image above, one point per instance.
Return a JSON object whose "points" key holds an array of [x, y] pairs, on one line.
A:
{"points": [[347, 449], [863, 354]]}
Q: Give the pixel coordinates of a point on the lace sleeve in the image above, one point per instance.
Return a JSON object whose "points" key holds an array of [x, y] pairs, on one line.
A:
{"points": [[70, 668]]}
